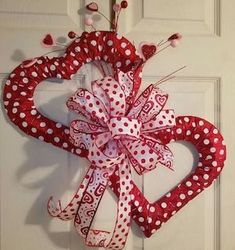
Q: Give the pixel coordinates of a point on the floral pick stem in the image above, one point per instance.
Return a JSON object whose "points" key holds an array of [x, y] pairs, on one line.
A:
{"points": [[93, 27], [162, 49], [163, 80], [52, 52], [105, 17], [162, 42], [168, 77], [117, 19], [60, 44]]}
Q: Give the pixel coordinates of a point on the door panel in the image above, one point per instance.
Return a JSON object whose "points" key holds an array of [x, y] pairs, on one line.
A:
{"points": [[31, 170], [150, 17]]}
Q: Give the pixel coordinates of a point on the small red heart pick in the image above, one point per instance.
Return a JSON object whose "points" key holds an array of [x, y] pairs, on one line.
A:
{"points": [[92, 6], [147, 50], [48, 40]]}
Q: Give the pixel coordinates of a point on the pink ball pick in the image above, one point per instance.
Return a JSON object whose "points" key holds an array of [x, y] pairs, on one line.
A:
{"points": [[116, 7], [88, 21], [174, 43]]}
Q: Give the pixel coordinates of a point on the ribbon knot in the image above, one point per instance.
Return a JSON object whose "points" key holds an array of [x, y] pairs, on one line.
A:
{"points": [[124, 127]]}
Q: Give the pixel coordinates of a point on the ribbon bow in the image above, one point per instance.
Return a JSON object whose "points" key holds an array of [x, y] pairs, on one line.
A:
{"points": [[117, 136]]}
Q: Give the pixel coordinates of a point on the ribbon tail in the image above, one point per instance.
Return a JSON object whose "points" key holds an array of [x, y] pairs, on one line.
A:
{"points": [[90, 201], [123, 220], [69, 212], [83, 220]]}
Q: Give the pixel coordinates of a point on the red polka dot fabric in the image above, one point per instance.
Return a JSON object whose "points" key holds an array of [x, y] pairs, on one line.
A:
{"points": [[119, 133], [21, 83], [212, 154]]}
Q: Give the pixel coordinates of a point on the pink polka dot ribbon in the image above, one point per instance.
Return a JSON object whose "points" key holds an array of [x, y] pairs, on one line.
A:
{"points": [[118, 136]]}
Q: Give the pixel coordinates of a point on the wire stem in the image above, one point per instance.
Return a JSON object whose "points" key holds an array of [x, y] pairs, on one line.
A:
{"points": [[93, 27], [162, 43], [60, 44], [52, 52], [117, 19], [105, 17], [168, 77], [162, 81], [162, 49]]}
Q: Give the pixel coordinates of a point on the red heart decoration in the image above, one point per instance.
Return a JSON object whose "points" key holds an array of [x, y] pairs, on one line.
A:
{"points": [[92, 6], [147, 50], [48, 40], [19, 105], [22, 111], [212, 154]]}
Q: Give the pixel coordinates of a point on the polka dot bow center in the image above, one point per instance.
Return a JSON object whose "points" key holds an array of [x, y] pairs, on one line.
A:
{"points": [[117, 129]]}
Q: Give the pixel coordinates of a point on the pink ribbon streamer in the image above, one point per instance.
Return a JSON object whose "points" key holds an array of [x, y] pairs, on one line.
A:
{"points": [[118, 136]]}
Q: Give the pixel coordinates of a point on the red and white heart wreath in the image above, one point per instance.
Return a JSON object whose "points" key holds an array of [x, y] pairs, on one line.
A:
{"points": [[118, 133]]}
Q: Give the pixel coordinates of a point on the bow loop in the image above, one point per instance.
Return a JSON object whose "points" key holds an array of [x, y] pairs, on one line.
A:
{"points": [[149, 104], [89, 105], [142, 157], [115, 95]]}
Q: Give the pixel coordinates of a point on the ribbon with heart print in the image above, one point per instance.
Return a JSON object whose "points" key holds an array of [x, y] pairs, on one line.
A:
{"points": [[118, 136]]}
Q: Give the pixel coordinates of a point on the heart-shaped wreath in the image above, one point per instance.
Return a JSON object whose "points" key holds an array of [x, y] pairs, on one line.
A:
{"points": [[118, 132]]}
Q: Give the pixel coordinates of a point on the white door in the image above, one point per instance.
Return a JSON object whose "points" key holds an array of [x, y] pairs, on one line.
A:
{"points": [[31, 170]]}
